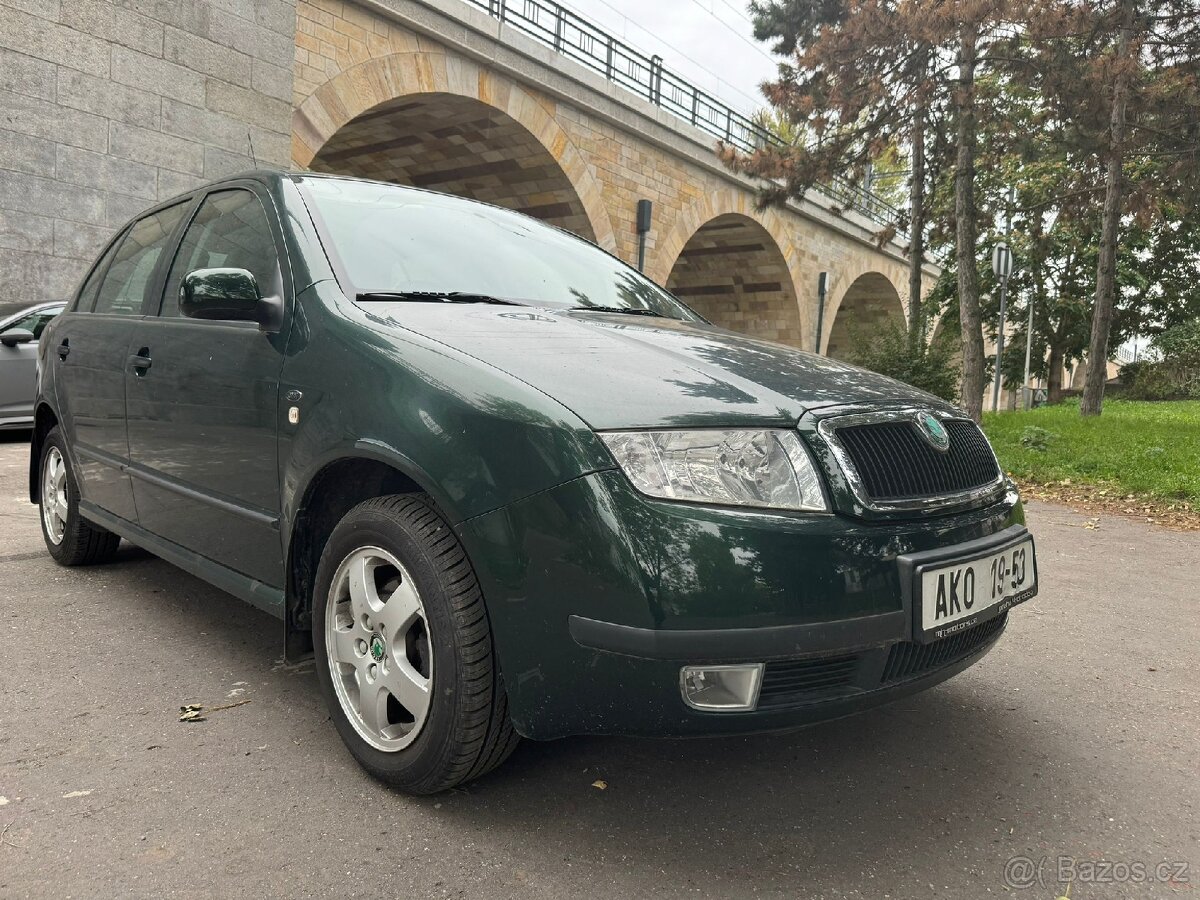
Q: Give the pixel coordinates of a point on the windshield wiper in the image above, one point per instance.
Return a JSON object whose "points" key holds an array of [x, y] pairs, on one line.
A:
{"points": [[435, 297], [626, 310]]}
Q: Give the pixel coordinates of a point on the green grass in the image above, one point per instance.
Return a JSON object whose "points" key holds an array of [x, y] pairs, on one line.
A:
{"points": [[1149, 449]]}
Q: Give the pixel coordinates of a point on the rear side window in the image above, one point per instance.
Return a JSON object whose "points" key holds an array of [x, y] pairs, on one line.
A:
{"points": [[230, 231], [127, 281], [87, 293]]}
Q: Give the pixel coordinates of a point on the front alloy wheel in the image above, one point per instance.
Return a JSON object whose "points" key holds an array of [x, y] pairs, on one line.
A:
{"points": [[404, 648], [378, 639]]}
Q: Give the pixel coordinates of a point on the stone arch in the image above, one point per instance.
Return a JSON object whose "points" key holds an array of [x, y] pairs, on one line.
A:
{"points": [[945, 329], [733, 273], [487, 137], [866, 301], [767, 226]]}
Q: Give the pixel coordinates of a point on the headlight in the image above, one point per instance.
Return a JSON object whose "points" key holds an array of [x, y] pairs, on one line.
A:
{"points": [[734, 468]]}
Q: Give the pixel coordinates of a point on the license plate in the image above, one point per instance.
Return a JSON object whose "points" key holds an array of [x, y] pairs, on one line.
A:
{"points": [[960, 594]]}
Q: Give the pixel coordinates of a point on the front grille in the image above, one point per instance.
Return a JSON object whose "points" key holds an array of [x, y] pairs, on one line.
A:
{"points": [[801, 680], [909, 659], [894, 461]]}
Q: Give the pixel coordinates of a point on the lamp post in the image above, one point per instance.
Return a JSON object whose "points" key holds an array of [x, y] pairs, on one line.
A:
{"points": [[822, 288], [1026, 390], [1002, 265], [1038, 282], [644, 208]]}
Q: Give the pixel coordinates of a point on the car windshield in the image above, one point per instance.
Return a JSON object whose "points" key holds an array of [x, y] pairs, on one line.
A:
{"points": [[394, 239]]}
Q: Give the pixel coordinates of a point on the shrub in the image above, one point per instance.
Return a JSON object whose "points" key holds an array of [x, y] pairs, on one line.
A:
{"points": [[888, 351], [1175, 375], [1035, 438], [1149, 381]]}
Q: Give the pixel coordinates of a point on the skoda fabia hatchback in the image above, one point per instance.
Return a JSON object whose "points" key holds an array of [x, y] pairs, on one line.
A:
{"points": [[498, 483]]}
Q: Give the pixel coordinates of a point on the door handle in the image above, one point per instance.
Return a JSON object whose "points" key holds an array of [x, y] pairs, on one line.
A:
{"points": [[64, 348], [141, 361]]}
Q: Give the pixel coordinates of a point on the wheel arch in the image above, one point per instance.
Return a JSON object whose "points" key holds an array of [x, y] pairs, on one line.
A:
{"points": [[44, 419], [333, 487]]}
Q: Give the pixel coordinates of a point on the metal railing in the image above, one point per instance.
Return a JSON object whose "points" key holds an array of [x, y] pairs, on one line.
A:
{"points": [[573, 36]]}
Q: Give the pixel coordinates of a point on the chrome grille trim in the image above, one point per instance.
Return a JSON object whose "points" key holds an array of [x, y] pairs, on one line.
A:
{"points": [[827, 428]]}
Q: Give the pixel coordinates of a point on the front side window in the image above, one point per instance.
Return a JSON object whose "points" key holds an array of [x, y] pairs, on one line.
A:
{"points": [[396, 239], [127, 282], [230, 231]]}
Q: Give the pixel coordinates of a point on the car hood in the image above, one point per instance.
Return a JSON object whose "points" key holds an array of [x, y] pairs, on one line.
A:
{"points": [[621, 371]]}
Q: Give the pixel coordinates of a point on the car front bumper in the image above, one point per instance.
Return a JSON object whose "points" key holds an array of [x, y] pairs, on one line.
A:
{"points": [[598, 596]]}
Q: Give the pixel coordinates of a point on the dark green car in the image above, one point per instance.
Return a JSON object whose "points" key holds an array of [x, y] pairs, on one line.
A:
{"points": [[501, 484]]}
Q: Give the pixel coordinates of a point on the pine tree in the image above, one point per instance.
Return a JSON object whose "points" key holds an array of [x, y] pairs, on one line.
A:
{"points": [[863, 76]]}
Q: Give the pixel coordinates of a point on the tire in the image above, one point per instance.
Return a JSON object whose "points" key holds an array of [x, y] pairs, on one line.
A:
{"points": [[419, 702], [71, 540]]}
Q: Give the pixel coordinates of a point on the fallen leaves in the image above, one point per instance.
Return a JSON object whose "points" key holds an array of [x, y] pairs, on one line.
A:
{"points": [[600, 784], [1110, 501], [196, 712]]}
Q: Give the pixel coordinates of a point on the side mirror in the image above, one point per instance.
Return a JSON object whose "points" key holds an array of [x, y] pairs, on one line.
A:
{"points": [[228, 295], [15, 336]]}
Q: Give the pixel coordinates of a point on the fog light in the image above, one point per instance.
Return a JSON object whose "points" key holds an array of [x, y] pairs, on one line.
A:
{"points": [[721, 688]]}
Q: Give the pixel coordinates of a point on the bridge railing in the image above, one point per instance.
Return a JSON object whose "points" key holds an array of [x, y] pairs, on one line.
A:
{"points": [[568, 33]]}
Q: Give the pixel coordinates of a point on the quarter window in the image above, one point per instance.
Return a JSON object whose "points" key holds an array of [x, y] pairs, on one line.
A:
{"points": [[129, 277], [87, 293], [230, 231]]}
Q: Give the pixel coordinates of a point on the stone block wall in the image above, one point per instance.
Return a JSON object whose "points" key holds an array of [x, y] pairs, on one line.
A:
{"points": [[112, 105]]}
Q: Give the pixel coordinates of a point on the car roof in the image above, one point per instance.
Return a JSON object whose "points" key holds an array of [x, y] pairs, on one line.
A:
{"points": [[268, 176]]}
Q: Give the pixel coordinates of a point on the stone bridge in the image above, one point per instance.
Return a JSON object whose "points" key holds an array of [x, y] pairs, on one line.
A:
{"points": [[112, 105], [439, 94]]}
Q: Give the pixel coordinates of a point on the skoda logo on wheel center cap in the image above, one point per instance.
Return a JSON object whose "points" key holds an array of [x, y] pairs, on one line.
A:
{"points": [[933, 431], [377, 648]]}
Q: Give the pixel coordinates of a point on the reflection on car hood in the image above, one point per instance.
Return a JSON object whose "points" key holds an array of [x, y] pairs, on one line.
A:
{"points": [[617, 371]]}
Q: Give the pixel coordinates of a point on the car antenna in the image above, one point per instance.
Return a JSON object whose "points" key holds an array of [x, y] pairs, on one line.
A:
{"points": [[250, 141]]}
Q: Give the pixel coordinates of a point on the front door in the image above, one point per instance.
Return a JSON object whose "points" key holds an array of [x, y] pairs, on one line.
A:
{"points": [[203, 401]]}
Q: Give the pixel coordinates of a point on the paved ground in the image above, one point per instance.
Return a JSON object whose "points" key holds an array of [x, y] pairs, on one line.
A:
{"points": [[1078, 736]]}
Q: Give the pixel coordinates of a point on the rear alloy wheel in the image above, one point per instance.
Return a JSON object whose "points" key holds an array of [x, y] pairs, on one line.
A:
{"points": [[54, 496], [71, 540], [404, 648]]}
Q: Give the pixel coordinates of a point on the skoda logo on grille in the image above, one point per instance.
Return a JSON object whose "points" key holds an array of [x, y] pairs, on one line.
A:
{"points": [[933, 431]]}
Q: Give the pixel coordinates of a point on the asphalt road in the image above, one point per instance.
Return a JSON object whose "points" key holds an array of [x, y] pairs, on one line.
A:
{"points": [[1077, 737]]}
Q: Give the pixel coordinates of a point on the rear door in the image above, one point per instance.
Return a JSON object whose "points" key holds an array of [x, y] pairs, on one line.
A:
{"points": [[204, 407], [89, 352], [18, 368]]}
